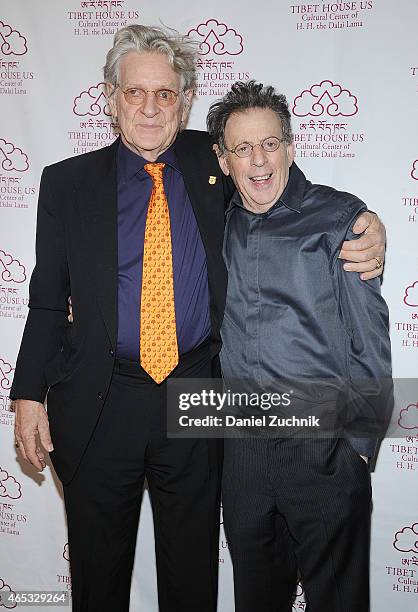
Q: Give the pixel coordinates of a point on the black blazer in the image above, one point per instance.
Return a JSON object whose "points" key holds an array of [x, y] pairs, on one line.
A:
{"points": [[76, 254]]}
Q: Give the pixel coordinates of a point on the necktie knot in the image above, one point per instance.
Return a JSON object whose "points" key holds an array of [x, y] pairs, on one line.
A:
{"points": [[155, 170]]}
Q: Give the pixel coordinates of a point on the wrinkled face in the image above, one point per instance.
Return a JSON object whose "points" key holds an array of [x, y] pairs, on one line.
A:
{"points": [[261, 177], [148, 129]]}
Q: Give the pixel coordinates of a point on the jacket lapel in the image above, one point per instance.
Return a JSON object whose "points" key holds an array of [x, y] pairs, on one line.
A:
{"points": [[203, 180], [207, 192], [98, 209]]}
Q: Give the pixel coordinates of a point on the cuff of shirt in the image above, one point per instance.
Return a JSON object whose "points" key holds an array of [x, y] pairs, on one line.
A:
{"points": [[363, 446]]}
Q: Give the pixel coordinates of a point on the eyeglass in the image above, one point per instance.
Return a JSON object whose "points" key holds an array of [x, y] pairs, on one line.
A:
{"points": [[269, 144], [163, 97]]}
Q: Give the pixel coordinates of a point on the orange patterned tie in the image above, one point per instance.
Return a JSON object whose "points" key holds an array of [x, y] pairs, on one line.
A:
{"points": [[158, 336]]}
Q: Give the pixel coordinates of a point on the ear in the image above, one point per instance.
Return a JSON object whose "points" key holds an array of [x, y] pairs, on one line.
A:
{"points": [[111, 99], [187, 103], [222, 160]]}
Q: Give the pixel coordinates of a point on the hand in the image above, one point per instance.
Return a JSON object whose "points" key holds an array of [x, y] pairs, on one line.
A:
{"points": [[32, 420], [366, 249]]}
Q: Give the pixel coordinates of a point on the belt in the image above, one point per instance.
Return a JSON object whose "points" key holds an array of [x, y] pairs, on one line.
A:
{"points": [[191, 358]]}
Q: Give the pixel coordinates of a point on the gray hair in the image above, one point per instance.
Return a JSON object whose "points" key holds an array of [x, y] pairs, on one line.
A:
{"points": [[180, 51], [242, 97]]}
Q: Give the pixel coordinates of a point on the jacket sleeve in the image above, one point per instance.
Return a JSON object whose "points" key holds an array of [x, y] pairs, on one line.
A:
{"points": [[369, 393], [48, 299]]}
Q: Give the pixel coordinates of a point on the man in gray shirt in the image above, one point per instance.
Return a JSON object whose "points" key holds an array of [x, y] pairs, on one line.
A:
{"points": [[293, 314]]}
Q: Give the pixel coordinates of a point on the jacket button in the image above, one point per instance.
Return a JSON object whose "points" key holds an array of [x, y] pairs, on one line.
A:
{"points": [[111, 352], [100, 395]]}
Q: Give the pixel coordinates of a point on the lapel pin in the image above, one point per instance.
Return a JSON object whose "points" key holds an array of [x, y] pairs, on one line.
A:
{"points": [[212, 180]]}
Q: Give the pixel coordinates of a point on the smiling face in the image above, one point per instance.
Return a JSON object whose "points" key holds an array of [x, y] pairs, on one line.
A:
{"points": [[262, 177], [148, 129]]}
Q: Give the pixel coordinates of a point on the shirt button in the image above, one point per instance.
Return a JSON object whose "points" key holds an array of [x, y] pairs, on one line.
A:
{"points": [[111, 352], [100, 395]]}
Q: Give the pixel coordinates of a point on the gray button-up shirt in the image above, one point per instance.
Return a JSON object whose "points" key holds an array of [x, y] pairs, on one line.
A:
{"points": [[292, 311]]}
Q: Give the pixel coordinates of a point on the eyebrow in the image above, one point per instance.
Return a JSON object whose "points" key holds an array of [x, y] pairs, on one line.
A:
{"points": [[136, 86], [262, 140]]}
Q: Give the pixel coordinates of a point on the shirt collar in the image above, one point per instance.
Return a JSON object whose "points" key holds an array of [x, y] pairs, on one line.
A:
{"points": [[130, 163], [291, 197]]}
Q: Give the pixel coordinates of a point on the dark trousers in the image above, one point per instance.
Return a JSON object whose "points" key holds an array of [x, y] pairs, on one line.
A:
{"points": [[317, 490], [103, 500]]}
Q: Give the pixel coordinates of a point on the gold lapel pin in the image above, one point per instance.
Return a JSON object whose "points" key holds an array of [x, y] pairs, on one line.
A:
{"points": [[212, 180]]}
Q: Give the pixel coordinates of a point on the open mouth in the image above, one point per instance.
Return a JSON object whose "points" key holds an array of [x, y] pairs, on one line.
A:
{"points": [[261, 180]]}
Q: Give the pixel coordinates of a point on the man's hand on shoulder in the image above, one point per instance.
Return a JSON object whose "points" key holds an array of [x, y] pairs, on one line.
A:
{"points": [[31, 421], [367, 254]]}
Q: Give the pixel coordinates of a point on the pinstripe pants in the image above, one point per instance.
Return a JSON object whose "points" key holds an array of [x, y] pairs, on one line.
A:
{"points": [[320, 491]]}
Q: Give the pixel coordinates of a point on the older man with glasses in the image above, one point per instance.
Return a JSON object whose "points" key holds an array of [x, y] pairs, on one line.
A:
{"points": [[133, 233]]}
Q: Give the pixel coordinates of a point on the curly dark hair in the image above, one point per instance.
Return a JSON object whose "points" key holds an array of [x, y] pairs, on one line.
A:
{"points": [[242, 97]]}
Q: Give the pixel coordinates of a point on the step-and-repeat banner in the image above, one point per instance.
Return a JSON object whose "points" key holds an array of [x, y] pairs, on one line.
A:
{"points": [[350, 72]]}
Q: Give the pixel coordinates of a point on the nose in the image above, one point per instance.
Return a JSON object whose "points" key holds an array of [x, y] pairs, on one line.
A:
{"points": [[150, 106], [258, 155]]}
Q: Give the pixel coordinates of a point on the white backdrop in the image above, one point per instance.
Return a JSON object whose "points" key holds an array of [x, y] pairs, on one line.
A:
{"points": [[350, 71]]}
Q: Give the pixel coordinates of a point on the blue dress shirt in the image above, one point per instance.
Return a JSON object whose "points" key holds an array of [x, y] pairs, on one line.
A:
{"points": [[191, 293]]}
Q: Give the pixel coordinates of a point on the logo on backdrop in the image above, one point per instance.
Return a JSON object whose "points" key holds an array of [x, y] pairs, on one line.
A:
{"points": [[12, 273], [328, 109], [217, 38], [96, 129], [405, 450], [13, 46], [331, 15], [92, 102], [5, 589], [406, 540], [223, 544], [220, 46], [407, 330], [327, 98], [9, 486], [299, 603], [6, 375], [414, 74], [12, 157], [12, 41], [6, 415], [410, 202], [110, 16], [408, 417], [6, 379], [4, 407], [411, 295], [11, 521], [64, 579], [11, 270], [404, 575], [14, 193]]}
